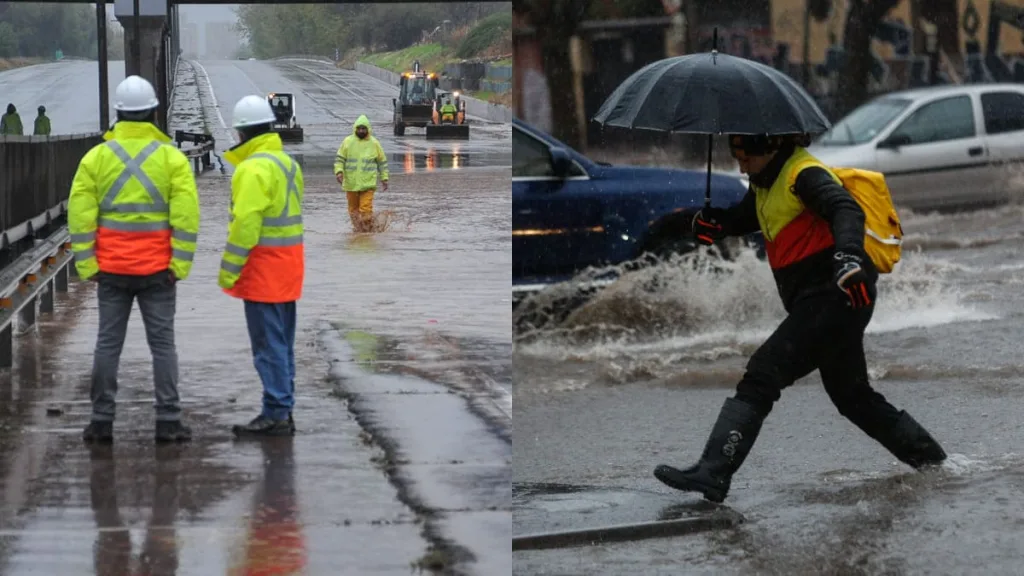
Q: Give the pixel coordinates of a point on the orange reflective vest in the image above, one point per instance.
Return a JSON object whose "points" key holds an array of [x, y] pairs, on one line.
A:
{"points": [[791, 231], [264, 259]]}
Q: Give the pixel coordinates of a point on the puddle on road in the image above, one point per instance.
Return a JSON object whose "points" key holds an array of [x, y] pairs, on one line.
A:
{"points": [[416, 161]]}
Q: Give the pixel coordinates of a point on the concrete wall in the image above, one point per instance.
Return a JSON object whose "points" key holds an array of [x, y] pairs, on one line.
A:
{"points": [[479, 108], [37, 174]]}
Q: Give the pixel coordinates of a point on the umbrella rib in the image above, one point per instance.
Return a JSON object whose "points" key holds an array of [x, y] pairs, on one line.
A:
{"points": [[649, 85]]}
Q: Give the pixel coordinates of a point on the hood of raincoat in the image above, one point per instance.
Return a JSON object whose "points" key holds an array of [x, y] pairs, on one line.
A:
{"points": [[268, 142], [363, 121], [125, 130]]}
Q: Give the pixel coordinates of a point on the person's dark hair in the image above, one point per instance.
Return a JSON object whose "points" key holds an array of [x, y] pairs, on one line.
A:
{"points": [[137, 116], [250, 132], [11, 109]]}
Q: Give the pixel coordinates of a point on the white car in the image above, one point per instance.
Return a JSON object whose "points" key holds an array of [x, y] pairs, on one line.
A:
{"points": [[940, 148]]}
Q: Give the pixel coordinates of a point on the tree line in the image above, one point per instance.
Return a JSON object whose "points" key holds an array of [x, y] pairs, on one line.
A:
{"points": [[39, 30], [280, 30]]}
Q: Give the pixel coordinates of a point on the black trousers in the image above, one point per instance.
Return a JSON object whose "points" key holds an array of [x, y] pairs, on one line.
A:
{"points": [[821, 333]]}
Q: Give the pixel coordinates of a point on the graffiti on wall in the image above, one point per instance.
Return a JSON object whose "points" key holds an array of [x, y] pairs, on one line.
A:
{"points": [[992, 33], [990, 63]]}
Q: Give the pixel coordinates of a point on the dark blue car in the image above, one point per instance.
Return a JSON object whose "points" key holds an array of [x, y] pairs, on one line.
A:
{"points": [[570, 213]]}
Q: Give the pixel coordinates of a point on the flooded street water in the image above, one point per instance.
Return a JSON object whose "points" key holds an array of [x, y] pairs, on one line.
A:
{"points": [[636, 377]]}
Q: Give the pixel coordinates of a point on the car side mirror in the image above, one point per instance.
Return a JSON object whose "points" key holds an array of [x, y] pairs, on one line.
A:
{"points": [[561, 163], [894, 141]]}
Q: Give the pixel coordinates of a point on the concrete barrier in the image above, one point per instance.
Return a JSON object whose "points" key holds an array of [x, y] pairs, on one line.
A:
{"points": [[35, 180], [475, 107]]}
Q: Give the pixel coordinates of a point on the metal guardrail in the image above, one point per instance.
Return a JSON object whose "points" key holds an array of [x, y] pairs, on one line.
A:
{"points": [[35, 275], [202, 154]]}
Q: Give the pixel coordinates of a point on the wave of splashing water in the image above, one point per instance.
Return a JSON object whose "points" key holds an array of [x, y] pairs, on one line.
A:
{"points": [[697, 308]]}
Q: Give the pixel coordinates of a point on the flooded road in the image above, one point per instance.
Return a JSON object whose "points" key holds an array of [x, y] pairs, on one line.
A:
{"points": [[637, 376], [403, 452], [328, 100]]}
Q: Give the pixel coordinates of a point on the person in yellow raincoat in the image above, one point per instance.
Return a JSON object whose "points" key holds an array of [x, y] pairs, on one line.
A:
{"points": [[448, 111], [10, 123], [360, 160]]}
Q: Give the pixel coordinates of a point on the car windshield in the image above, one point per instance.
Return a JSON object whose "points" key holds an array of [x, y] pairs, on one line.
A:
{"points": [[864, 123]]}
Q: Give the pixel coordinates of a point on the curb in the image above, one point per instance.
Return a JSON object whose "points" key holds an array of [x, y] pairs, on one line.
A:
{"points": [[627, 532]]}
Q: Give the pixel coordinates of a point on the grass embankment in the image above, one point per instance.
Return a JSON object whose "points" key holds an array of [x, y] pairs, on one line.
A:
{"points": [[12, 63], [489, 40]]}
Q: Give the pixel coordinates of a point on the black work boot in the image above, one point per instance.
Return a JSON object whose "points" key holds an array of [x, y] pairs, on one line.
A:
{"points": [[263, 426], [100, 431], [172, 431], [731, 439], [911, 443]]}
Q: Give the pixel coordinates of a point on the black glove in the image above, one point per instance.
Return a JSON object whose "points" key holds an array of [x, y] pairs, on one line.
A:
{"points": [[706, 226], [851, 279]]}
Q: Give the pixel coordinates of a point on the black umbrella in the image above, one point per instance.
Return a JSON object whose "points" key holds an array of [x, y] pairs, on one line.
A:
{"points": [[712, 93]]}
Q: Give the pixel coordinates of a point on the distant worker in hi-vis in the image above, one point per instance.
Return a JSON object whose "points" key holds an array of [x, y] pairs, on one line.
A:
{"points": [[360, 160], [133, 215]]}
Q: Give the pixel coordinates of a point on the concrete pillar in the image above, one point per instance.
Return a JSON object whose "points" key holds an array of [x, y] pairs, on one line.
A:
{"points": [[152, 20]]}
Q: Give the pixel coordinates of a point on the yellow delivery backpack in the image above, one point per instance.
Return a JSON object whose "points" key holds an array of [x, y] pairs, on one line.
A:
{"points": [[883, 235]]}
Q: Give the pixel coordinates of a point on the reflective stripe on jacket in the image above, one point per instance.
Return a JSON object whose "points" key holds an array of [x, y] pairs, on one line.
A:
{"points": [[264, 260], [361, 160], [791, 231], [134, 207]]}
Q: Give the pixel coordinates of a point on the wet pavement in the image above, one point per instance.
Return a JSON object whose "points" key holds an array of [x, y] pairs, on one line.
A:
{"points": [[365, 487], [69, 90], [637, 377]]}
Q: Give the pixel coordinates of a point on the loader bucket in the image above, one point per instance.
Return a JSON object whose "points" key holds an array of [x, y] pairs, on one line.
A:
{"points": [[289, 134], [447, 132]]}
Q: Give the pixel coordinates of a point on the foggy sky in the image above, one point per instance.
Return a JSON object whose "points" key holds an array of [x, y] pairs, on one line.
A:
{"points": [[202, 14]]}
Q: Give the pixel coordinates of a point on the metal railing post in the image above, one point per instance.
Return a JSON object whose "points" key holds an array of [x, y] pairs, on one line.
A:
{"points": [[61, 280], [6, 347], [27, 315]]}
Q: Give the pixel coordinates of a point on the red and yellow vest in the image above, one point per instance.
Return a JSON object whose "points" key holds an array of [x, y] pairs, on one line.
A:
{"points": [[264, 258], [791, 231]]}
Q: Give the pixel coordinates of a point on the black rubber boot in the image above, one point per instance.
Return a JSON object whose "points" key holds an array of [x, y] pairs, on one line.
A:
{"points": [[911, 443], [263, 426], [731, 439], [99, 431], [172, 431]]}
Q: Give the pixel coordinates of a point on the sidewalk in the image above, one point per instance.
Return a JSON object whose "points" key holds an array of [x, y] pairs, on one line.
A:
{"points": [[320, 503]]}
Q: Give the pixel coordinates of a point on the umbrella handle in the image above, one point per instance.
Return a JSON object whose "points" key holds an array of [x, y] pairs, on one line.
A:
{"points": [[707, 188]]}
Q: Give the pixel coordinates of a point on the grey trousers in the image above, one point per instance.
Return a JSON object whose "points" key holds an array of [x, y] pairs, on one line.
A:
{"points": [[157, 296]]}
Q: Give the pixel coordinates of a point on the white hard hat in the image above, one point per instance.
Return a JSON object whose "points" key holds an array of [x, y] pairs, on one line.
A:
{"points": [[135, 94], [252, 111]]}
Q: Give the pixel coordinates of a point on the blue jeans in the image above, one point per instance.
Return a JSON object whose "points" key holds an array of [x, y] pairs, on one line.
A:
{"points": [[272, 333]]}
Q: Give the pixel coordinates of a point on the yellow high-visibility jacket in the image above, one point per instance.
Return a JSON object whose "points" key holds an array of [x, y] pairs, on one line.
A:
{"points": [[361, 160], [264, 259], [134, 207]]}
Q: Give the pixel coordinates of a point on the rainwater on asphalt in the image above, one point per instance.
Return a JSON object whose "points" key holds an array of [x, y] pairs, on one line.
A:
{"points": [[636, 376]]}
